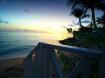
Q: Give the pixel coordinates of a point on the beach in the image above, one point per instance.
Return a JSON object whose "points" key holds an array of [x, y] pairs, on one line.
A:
{"points": [[11, 68]]}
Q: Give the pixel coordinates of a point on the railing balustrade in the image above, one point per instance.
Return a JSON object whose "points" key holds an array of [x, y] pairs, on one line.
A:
{"points": [[42, 62]]}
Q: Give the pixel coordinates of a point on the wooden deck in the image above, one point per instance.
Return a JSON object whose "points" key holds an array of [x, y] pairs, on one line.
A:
{"points": [[39, 63]]}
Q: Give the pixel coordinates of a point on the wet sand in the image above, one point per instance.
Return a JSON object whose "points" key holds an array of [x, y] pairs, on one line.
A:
{"points": [[11, 68]]}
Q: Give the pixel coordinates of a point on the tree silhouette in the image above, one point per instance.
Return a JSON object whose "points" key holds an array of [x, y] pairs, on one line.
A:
{"points": [[88, 4], [101, 20], [79, 13]]}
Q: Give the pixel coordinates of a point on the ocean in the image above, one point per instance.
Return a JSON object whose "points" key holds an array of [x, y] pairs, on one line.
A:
{"points": [[20, 44]]}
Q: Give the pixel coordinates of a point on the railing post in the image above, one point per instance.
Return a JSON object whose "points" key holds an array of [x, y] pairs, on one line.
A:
{"points": [[28, 63], [56, 63], [86, 68], [41, 63], [28, 66], [102, 64]]}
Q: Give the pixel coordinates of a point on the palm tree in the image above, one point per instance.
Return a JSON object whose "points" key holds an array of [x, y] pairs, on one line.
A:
{"points": [[79, 13], [101, 20], [89, 4]]}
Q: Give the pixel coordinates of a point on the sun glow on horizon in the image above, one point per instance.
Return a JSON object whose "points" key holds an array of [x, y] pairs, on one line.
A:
{"points": [[47, 25]]}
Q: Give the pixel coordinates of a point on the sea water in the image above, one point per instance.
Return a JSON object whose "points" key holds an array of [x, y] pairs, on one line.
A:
{"points": [[20, 44]]}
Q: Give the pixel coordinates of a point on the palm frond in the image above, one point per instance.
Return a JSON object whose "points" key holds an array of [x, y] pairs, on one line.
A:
{"points": [[86, 15], [77, 12], [74, 5]]}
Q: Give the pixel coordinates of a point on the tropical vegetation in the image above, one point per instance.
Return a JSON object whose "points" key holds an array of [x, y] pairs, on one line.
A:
{"points": [[90, 36], [87, 4]]}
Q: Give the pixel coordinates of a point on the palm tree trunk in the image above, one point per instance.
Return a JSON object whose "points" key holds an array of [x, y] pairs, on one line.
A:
{"points": [[93, 17], [80, 22]]}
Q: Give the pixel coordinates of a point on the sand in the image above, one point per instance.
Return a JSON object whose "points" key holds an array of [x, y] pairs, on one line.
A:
{"points": [[11, 68]]}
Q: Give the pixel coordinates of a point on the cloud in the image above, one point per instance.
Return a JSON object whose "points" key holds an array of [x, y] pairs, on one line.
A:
{"points": [[26, 11], [75, 23], [85, 21], [2, 21]]}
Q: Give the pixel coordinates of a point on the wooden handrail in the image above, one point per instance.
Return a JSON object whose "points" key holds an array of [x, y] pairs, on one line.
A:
{"points": [[90, 53]]}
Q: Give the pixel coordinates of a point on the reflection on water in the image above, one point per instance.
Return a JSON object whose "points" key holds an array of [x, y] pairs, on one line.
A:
{"points": [[15, 44], [53, 37]]}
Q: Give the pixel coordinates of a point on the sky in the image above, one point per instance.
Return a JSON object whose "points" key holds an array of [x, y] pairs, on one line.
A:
{"points": [[34, 15]]}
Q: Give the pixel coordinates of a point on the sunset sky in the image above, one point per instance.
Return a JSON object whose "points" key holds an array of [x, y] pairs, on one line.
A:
{"points": [[35, 15], [43, 15]]}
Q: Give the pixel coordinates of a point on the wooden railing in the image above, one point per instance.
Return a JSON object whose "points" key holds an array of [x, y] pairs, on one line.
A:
{"points": [[38, 64]]}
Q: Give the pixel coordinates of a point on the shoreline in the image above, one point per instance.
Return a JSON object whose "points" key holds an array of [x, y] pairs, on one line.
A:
{"points": [[14, 56]]}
